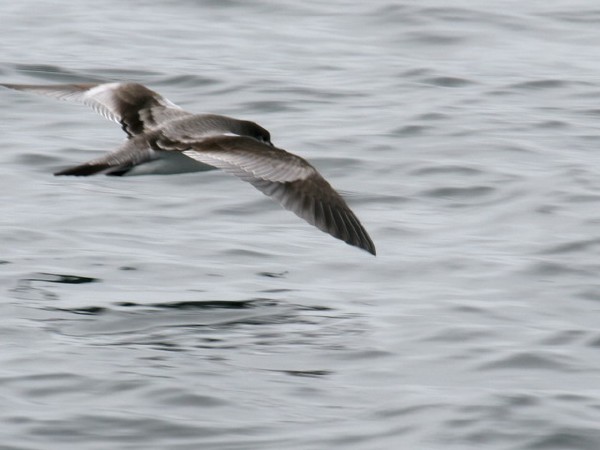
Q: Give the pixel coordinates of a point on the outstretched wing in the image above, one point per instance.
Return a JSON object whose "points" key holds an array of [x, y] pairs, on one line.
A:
{"points": [[288, 179], [145, 154], [133, 152], [137, 108], [281, 175]]}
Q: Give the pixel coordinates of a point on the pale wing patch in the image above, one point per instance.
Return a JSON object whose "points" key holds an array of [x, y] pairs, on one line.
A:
{"points": [[293, 183], [248, 165], [132, 103], [69, 92], [98, 96], [103, 100]]}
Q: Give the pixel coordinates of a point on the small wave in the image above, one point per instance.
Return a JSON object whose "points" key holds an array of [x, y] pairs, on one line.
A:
{"points": [[539, 84], [572, 247], [411, 130], [531, 360], [307, 373], [58, 278], [448, 81], [447, 170], [565, 438], [460, 192], [50, 73], [126, 318]]}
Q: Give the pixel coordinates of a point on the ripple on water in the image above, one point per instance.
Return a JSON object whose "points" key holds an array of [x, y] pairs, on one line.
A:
{"points": [[459, 193], [36, 286], [462, 171], [534, 85], [581, 438], [125, 318], [539, 360], [576, 246], [412, 130], [50, 73], [514, 417], [59, 278], [447, 81]]}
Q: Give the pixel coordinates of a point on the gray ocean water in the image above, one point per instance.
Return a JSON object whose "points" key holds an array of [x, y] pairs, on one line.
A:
{"points": [[191, 312]]}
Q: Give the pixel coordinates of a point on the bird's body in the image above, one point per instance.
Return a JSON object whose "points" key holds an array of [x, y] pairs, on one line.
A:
{"points": [[165, 139]]}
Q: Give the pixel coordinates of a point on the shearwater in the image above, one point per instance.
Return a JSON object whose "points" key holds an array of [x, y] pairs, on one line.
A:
{"points": [[165, 139]]}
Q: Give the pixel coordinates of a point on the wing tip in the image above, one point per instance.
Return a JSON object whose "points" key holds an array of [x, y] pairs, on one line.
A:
{"points": [[370, 247], [82, 170], [362, 241], [39, 88], [11, 86], [365, 241]]}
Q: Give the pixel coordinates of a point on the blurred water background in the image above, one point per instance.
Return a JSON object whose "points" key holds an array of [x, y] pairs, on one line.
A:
{"points": [[190, 311]]}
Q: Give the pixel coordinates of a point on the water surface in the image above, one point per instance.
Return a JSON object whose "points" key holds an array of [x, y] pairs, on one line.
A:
{"points": [[190, 311]]}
